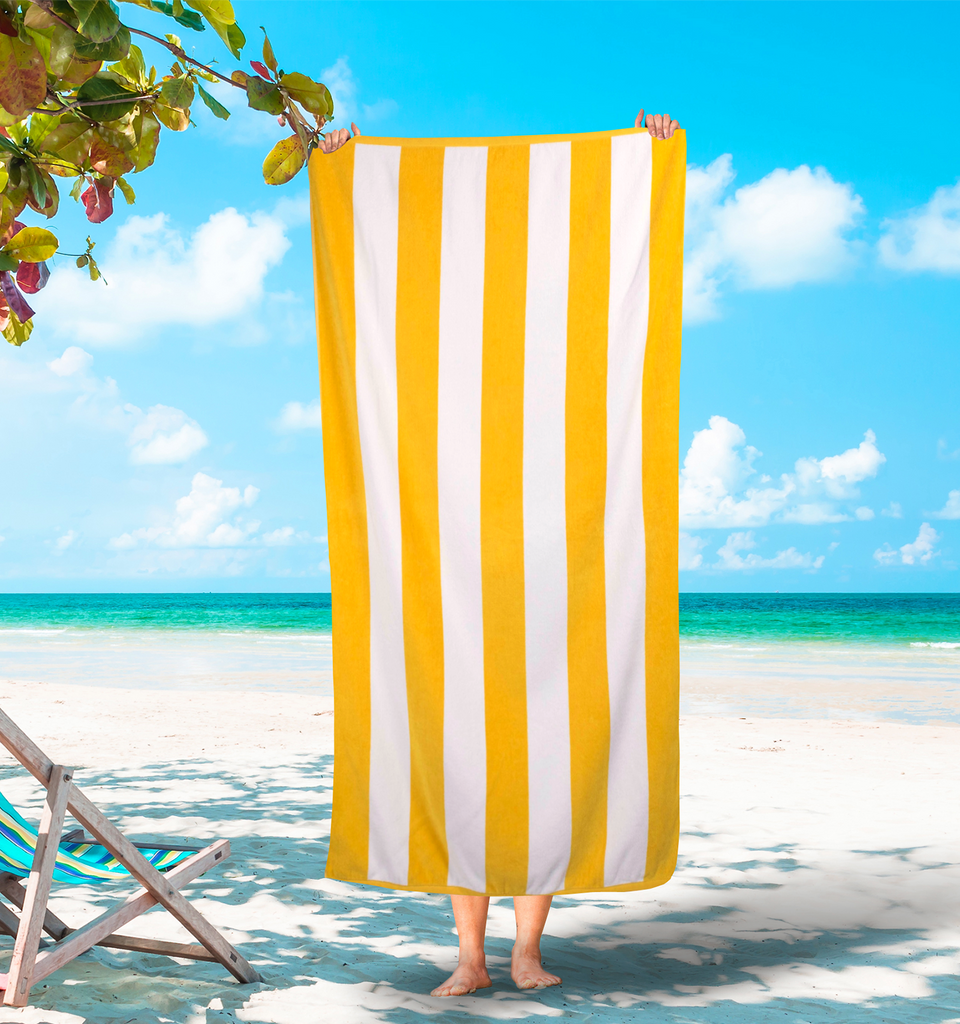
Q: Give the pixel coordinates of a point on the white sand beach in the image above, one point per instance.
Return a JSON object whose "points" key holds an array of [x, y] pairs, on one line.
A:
{"points": [[818, 879]]}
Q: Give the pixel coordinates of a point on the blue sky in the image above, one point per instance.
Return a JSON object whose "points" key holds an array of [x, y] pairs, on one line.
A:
{"points": [[162, 433]]}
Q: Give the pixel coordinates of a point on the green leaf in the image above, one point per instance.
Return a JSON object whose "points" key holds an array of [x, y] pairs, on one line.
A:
{"points": [[78, 188], [97, 19], [230, 34], [132, 67], [64, 62], [82, 261], [219, 10], [217, 109], [4, 177], [177, 92], [17, 332], [113, 49], [263, 95], [8, 262], [69, 141], [268, 57], [174, 118], [23, 76], [32, 245], [128, 193], [102, 99], [146, 130], [189, 19], [38, 187], [310, 95], [284, 161]]}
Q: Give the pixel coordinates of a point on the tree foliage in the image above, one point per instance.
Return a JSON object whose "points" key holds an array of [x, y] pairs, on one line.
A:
{"points": [[78, 100]]}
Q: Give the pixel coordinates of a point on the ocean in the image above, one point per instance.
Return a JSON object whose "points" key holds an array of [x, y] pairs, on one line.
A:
{"points": [[887, 655]]}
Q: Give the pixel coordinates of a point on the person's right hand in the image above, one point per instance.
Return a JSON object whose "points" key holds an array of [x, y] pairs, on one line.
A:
{"points": [[332, 141], [660, 126]]}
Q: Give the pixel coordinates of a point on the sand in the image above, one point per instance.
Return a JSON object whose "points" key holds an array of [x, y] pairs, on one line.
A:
{"points": [[818, 880]]}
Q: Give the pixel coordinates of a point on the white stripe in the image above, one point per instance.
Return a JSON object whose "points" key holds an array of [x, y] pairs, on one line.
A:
{"points": [[624, 542], [458, 481], [544, 515], [375, 217]]}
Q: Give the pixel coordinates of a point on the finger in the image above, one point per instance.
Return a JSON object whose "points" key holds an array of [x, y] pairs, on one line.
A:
{"points": [[356, 130], [638, 123], [650, 125], [658, 125], [674, 125], [666, 126]]}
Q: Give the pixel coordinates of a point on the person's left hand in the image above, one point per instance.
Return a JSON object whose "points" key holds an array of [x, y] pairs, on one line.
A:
{"points": [[659, 125], [332, 141]]}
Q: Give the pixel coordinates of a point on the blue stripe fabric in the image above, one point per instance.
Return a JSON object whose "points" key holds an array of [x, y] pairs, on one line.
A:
{"points": [[76, 862]]}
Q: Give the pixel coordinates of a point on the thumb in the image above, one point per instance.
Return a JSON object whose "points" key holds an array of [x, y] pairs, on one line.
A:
{"points": [[639, 121], [356, 130]]}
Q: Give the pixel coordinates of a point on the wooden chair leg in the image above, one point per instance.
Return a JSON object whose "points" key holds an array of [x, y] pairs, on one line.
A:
{"points": [[38, 887], [16, 893]]}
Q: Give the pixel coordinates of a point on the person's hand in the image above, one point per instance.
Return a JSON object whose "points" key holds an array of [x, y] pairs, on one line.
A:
{"points": [[332, 141], [659, 125]]}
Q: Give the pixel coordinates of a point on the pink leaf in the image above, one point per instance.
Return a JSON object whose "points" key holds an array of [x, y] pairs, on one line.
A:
{"points": [[261, 70], [14, 299]]}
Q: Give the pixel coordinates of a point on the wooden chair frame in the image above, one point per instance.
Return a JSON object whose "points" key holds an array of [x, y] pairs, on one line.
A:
{"points": [[30, 963]]}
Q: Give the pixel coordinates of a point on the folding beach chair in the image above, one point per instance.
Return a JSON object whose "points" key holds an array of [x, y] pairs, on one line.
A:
{"points": [[45, 855]]}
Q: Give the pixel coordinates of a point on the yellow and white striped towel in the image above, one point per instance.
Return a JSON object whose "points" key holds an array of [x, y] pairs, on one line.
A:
{"points": [[499, 334]]}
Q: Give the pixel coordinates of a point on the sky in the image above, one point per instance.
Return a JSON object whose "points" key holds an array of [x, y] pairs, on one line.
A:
{"points": [[161, 432]]}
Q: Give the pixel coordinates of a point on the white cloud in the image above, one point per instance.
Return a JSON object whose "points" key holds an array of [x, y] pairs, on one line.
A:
{"points": [[689, 553], [338, 78], [840, 472], [200, 519], [63, 542], [157, 278], [164, 435], [952, 508], [74, 360], [730, 557], [920, 550], [894, 510], [297, 416], [927, 238], [714, 489], [788, 228], [285, 536], [863, 513]]}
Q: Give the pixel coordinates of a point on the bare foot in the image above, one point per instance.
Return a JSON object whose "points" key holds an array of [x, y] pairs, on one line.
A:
{"points": [[465, 979], [527, 972]]}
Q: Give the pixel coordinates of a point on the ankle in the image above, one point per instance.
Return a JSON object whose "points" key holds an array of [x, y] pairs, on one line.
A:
{"points": [[526, 949], [471, 957]]}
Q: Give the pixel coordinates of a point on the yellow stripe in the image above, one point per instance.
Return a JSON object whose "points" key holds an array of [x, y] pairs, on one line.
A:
{"points": [[661, 405], [586, 465], [501, 519], [498, 141], [418, 341], [331, 204]]}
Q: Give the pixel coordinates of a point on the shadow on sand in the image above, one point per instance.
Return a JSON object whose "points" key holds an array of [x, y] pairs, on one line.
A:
{"points": [[778, 934]]}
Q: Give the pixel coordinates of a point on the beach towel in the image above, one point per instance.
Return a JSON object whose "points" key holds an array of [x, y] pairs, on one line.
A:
{"points": [[499, 342]]}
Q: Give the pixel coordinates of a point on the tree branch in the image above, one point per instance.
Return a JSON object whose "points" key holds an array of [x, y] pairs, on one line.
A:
{"points": [[180, 54]]}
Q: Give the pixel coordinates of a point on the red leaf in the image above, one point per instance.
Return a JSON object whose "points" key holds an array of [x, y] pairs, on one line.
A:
{"points": [[14, 299], [262, 70], [98, 200], [4, 312], [31, 277], [16, 226]]}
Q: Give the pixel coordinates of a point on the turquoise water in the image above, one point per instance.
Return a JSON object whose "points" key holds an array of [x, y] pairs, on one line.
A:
{"points": [[860, 619], [891, 620], [299, 612], [888, 655]]}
